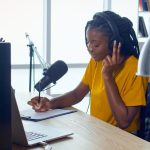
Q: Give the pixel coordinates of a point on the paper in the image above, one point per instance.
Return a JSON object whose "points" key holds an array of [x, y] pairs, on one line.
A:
{"points": [[30, 114]]}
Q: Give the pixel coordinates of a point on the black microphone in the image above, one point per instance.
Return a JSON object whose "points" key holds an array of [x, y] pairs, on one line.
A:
{"points": [[54, 73]]}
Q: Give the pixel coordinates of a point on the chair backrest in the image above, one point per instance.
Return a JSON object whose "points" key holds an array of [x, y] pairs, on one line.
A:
{"points": [[144, 131]]}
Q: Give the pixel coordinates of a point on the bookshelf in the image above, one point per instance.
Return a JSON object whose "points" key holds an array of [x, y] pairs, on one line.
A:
{"points": [[143, 21]]}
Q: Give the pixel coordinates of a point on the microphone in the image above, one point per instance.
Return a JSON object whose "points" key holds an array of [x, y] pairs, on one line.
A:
{"points": [[53, 73]]}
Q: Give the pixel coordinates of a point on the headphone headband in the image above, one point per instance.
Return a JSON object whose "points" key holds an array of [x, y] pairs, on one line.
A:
{"points": [[111, 24], [116, 36]]}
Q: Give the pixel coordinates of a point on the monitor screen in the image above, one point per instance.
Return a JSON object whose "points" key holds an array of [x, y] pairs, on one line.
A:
{"points": [[5, 95]]}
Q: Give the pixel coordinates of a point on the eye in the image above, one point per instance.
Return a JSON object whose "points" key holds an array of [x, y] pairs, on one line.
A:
{"points": [[96, 45]]}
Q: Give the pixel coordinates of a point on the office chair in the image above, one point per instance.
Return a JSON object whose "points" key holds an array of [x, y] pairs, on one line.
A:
{"points": [[144, 131]]}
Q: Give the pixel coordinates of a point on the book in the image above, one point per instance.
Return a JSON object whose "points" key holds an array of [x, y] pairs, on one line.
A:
{"points": [[140, 5], [32, 115], [148, 5], [142, 27], [144, 5]]}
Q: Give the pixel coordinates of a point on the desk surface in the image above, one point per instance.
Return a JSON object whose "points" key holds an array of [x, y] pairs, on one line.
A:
{"points": [[89, 133]]}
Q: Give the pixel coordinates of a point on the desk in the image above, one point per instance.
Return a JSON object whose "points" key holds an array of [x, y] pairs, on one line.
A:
{"points": [[90, 133]]}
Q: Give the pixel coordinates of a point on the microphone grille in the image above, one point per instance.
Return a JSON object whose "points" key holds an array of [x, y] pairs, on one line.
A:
{"points": [[57, 70]]}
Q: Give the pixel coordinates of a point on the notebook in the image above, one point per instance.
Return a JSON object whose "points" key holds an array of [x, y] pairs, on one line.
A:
{"points": [[32, 115], [28, 133]]}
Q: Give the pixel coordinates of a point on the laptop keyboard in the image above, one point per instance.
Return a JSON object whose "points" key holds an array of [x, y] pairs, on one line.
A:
{"points": [[32, 135]]}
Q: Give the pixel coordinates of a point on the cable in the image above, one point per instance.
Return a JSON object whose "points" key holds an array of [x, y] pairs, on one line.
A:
{"points": [[46, 146], [88, 106]]}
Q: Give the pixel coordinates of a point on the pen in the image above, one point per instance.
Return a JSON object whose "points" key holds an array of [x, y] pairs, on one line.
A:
{"points": [[39, 97], [39, 92]]}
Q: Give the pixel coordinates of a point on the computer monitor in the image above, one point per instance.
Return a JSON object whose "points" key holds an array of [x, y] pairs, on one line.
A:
{"points": [[5, 95]]}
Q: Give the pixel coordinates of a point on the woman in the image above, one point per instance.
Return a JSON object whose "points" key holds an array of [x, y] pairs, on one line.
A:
{"points": [[110, 77]]}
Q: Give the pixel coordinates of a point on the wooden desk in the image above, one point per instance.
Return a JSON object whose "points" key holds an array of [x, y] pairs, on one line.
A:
{"points": [[89, 133]]}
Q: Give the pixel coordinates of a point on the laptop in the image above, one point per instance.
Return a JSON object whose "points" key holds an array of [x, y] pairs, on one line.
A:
{"points": [[28, 133]]}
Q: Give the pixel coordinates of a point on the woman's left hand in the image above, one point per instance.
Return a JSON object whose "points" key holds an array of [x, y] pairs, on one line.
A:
{"points": [[111, 63]]}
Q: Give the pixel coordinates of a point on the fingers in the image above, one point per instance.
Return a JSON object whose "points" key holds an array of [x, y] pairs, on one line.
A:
{"points": [[110, 63], [107, 61], [114, 59], [41, 106], [33, 101], [116, 53]]}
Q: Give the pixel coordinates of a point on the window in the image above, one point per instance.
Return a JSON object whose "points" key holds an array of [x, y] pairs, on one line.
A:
{"points": [[127, 8], [68, 18], [67, 22], [18, 17]]}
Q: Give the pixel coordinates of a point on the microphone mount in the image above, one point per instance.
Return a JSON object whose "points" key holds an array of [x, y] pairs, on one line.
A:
{"points": [[33, 50]]}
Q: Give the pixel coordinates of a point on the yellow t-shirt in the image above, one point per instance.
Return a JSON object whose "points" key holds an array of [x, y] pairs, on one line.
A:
{"points": [[132, 89]]}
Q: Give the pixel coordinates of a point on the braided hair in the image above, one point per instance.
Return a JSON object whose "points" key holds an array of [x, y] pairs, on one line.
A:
{"points": [[125, 29]]}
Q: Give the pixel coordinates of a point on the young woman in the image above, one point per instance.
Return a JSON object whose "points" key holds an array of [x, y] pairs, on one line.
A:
{"points": [[116, 93]]}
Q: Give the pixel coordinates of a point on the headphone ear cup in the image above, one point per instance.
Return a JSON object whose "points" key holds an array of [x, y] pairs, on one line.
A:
{"points": [[111, 43]]}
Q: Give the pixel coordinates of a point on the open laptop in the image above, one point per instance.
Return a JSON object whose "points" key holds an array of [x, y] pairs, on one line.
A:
{"points": [[30, 133]]}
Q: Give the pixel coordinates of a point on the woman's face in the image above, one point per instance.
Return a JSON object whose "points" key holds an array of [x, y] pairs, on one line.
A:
{"points": [[97, 44]]}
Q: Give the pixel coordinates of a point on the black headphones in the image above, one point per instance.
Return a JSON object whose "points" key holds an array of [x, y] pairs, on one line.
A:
{"points": [[116, 36]]}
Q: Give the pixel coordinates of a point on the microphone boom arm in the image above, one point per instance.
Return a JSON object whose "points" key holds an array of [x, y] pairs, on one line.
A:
{"points": [[43, 64]]}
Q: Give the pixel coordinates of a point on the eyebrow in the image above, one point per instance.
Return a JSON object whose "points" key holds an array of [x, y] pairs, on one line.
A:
{"points": [[94, 41]]}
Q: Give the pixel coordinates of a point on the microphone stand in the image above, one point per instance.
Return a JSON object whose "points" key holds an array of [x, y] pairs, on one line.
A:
{"points": [[30, 45], [33, 50], [31, 56]]}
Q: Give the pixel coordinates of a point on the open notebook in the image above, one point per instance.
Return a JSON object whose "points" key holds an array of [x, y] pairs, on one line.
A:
{"points": [[28, 133], [30, 114]]}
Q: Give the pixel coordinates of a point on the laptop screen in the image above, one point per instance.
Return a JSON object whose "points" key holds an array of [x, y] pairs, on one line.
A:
{"points": [[18, 133]]}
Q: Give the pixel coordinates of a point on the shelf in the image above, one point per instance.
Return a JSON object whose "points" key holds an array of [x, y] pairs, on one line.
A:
{"points": [[144, 12], [142, 39]]}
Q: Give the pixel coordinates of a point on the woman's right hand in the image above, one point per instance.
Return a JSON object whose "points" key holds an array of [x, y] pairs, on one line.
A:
{"points": [[42, 106]]}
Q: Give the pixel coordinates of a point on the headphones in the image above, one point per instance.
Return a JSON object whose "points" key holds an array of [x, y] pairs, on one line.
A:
{"points": [[116, 36]]}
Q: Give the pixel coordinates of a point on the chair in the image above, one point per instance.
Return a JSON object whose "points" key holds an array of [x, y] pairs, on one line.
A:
{"points": [[144, 131]]}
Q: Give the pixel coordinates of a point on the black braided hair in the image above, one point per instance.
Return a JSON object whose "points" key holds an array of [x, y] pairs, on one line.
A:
{"points": [[125, 28]]}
